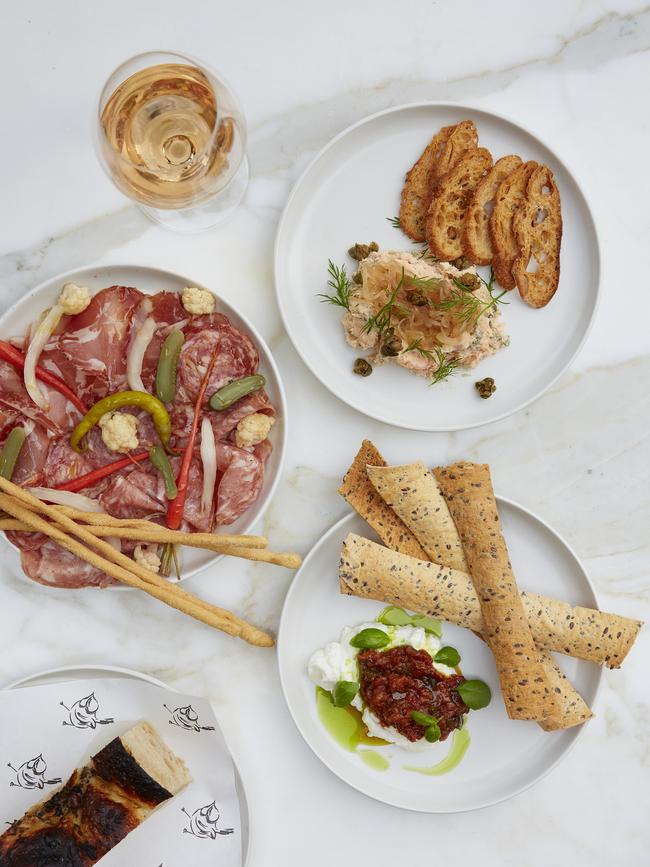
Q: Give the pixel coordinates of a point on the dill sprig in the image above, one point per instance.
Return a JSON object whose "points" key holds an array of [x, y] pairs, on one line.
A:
{"points": [[383, 317], [425, 253], [340, 283], [445, 366], [395, 222], [466, 305]]}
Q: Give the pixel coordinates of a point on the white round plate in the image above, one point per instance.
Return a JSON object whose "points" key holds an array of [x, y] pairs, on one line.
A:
{"points": [[76, 672], [14, 322], [345, 196], [505, 756]]}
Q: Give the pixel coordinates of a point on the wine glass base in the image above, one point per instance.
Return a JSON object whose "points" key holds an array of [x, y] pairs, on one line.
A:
{"points": [[202, 217]]}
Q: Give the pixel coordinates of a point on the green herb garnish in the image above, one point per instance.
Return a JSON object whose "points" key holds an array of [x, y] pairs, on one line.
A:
{"points": [[383, 317], [370, 639], [395, 222], [466, 305], [447, 656], [394, 616], [340, 283], [429, 723], [343, 693], [475, 694]]}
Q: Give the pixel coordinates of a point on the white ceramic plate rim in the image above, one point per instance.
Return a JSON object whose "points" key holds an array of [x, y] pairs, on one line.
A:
{"points": [[279, 241], [260, 506], [368, 790], [106, 671]]}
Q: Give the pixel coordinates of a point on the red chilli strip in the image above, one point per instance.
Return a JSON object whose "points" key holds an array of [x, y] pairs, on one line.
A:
{"points": [[89, 479], [16, 358], [177, 505]]}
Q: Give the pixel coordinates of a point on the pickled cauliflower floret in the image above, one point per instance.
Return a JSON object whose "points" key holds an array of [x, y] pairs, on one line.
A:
{"points": [[252, 429], [119, 431], [147, 557], [73, 298], [198, 301]]}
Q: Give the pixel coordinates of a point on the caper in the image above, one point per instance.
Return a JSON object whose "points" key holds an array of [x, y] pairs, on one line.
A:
{"points": [[485, 387], [357, 278], [471, 282], [362, 367], [362, 251], [461, 263], [416, 297], [391, 347]]}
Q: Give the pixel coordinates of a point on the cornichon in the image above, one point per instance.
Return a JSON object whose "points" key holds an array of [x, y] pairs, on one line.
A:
{"points": [[166, 370], [235, 390], [148, 402], [370, 639], [11, 452], [160, 461], [343, 693]]}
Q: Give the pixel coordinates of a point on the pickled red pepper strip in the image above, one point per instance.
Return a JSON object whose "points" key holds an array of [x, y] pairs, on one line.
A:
{"points": [[100, 473], [16, 358], [177, 505], [148, 402]]}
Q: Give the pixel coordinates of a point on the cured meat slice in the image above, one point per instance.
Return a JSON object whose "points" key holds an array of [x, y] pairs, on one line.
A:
{"points": [[14, 399], [31, 461], [240, 484], [90, 351], [236, 357], [137, 494], [224, 422], [49, 563], [168, 313]]}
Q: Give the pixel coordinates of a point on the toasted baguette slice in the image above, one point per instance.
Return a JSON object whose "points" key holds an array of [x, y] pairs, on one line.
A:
{"points": [[102, 802], [463, 138], [446, 216], [477, 246], [419, 184], [509, 196], [537, 226]]}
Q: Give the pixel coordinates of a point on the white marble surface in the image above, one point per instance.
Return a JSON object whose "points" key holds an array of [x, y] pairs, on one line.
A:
{"points": [[574, 72]]}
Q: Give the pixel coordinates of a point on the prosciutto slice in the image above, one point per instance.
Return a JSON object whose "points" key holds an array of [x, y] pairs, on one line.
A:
{"points": [[90, 351], [48, 563], [14, 401]]}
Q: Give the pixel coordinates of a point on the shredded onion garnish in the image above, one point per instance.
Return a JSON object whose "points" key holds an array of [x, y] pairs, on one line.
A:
{"points": [[75, 501], [137, 350], [209, 460]]}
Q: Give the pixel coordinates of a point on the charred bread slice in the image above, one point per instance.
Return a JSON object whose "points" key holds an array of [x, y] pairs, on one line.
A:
{"points": [[509, 196], [419, 184], [448, 208], [99, 804], [537, 227], [477, 246]]}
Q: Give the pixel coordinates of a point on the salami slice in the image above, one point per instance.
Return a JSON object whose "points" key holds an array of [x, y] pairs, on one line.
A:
{"points": [[236, 357], [50, 564], [240, 483]]}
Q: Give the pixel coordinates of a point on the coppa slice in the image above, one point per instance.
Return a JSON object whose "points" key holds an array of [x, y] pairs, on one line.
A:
{"points": [[448, 208], [419, 184], [477, 245], [99, 805], [537, 226], [527, 692], [508, 199]]}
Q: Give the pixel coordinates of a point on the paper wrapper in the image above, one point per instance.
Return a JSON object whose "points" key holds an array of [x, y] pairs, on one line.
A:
{"points": [[47, 731]]}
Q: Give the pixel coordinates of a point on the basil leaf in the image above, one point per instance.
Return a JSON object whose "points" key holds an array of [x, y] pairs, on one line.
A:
{"points": [[429, 624], [423, 719], [370, 639], [343, 693], [394, 616], [432, 734], [447, 656], [475, 694]]}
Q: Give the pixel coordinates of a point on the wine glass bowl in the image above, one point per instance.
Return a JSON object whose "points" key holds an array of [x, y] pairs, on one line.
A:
{"points": [[171, 136]]}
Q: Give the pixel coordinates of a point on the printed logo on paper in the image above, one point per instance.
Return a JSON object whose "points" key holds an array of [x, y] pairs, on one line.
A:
{"points": [[31, 774], [203, 822], [83, 714], [186, 718]]}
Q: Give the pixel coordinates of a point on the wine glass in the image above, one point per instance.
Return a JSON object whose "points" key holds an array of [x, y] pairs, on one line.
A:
{"points": [[171, 136]]}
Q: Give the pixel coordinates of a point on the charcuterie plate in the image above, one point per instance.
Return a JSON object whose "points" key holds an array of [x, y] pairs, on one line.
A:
{"points": [[238, 339]]}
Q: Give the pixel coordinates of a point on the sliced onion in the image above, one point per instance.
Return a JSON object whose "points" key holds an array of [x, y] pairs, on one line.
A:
{"points": [[41, 335], [75, 501], [136, 353], [209, 459]]}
